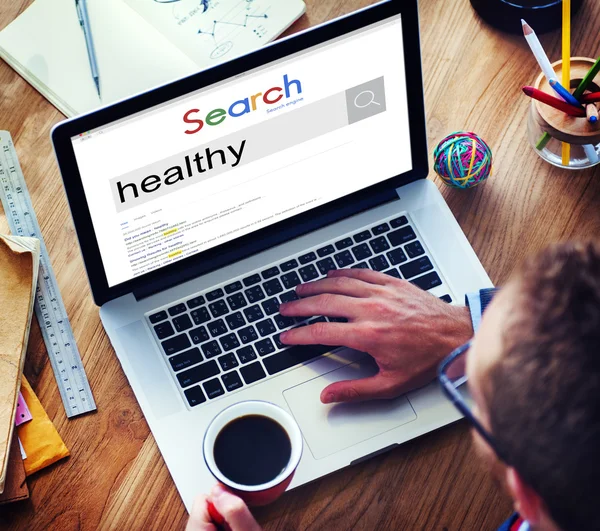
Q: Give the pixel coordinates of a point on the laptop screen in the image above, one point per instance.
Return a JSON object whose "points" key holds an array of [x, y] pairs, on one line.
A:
{"points": [[220, 163]]}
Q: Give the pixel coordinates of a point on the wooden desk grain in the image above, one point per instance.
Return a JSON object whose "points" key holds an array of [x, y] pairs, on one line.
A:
{"points": [[116, 479]]}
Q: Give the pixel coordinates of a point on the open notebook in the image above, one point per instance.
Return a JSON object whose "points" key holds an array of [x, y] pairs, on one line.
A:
{"points": [[139, 44]]}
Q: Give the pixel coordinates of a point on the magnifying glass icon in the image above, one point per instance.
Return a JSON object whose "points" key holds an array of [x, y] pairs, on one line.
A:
{"points": [[367, 100]]}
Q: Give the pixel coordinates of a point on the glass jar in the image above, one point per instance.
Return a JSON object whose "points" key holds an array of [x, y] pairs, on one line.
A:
{"points": [[548, 128]]}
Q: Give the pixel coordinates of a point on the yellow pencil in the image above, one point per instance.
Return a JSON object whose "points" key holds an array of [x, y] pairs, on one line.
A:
{"points": [[566, 65]]}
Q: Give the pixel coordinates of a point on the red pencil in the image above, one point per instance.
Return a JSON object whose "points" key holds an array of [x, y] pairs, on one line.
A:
{"points": [[544, 97], [590, 98]]}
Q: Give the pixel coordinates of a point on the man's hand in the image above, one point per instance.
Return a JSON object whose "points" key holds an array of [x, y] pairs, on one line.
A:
{"points": [[408, 331], [232, 509]]}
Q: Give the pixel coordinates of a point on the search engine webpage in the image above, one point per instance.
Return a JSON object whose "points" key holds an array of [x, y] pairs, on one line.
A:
{"points": [[218, 164]]}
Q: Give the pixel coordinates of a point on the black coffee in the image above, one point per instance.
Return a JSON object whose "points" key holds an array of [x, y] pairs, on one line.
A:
{"points": [[252, 450]]}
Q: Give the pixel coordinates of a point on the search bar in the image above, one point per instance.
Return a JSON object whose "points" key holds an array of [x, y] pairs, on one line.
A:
{"points": [[275, 134]]}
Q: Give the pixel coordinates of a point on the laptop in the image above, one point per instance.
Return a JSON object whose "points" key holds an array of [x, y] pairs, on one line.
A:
{"points": [[201, 205]]}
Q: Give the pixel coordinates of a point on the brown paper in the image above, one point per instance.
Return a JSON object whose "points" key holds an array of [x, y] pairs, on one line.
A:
{"points": [[15, 488], [19, 260]]}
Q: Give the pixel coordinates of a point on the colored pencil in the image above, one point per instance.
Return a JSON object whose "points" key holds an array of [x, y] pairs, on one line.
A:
{"points": [[590, 152], [588, 78], [591, 112], [592, 97], [538, 51], [566, 67], [564, 93], [546, 98]]}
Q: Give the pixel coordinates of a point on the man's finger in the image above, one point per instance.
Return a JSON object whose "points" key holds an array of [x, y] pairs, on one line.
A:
{"points": [[340, 285], [332, 334], [358, 390], [233, 509], [324, 304], [366, 275], [199, 518]]}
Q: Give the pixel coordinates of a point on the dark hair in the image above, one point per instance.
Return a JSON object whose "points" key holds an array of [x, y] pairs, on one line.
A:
{"points": [[544, 393]]}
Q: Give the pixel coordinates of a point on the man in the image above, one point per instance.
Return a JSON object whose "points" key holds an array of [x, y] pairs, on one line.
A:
{"points": [[533, 372]]}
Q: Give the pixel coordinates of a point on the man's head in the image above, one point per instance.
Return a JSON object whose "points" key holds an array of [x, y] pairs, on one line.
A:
{"points": [[534, 372]]}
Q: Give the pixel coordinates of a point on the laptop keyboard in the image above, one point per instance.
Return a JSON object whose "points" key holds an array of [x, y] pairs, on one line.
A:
{"points": [[220, 340]]}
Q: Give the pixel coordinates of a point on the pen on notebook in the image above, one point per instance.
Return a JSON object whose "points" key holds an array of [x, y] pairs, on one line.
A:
{"points": [[564, 93], [84, 21], [546, 98], [538, 51]]}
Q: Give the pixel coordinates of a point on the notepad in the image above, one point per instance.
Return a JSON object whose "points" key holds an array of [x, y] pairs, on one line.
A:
{"points": [[139, 44], [19, 261]]}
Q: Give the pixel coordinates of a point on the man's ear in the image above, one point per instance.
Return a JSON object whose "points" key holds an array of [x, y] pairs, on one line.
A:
{"points": [[527, 502]]}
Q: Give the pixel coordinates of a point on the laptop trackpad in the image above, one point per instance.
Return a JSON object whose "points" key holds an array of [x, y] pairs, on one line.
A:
{"points": [[329, 428]]}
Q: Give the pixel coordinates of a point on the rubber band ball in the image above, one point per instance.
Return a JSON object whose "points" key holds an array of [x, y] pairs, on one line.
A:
{"points": [[463, 160]]}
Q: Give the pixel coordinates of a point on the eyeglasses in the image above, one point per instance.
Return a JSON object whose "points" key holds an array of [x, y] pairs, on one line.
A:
{"points": [[453, 378]]}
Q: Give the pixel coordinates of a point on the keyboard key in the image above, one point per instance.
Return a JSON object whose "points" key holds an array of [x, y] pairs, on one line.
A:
{"points": [[213, 388], [246, 354], [283, 322], [200, 315], [293, 356], [306, 258], [290, 280], [218, 308], [235, 320], [185, 359], [195, 302], [236, 301], [362, 236], [251, 280], [324, 251], [414, 249], [199, 335], [393, 273], [270, 273], [400, 236], [211, 349], [264, 347], [317, 320], [183, 322], [228, 361], [308, 273], [446, 298], [344, 259], [397, 256], [214, 294], [177, 309], [265, 327], [271, 306], [428, 281], [277, 340], [199, 373], [175, 344], [253, 313], [216, 328], [163, 330], [379, 263], [232, 381], [379, 245], [255, 294], [361, 251], [289, 296], [380, 229], [289, 265], [248, 334], [194, 396], [360, 265], [157, 317], [325, 265], [398, 222], [229, 342], [337, 319], [233, 287], [344, 244], [416, 267], [253, 372]]}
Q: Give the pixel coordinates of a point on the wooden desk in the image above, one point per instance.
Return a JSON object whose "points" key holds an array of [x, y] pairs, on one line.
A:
{"points": [[116, 478]]}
